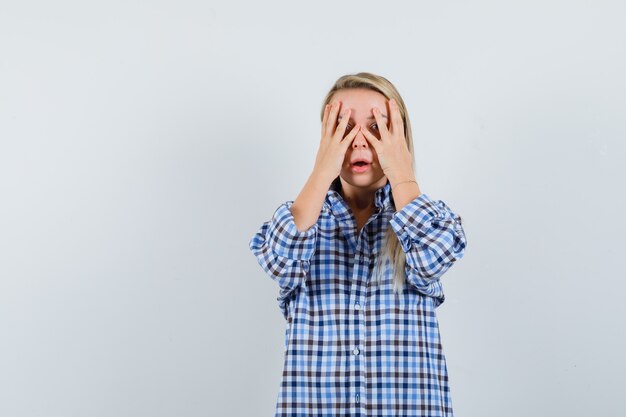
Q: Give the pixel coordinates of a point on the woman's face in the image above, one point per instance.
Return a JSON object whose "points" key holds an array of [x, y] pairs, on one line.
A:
{"points": [[361, 101]]}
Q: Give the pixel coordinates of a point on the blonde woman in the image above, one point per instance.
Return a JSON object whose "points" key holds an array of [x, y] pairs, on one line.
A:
{"points": [[358, 258]]}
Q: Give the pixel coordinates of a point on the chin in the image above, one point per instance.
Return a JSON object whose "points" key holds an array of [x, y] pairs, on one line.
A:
{"points": [[363, 180]]}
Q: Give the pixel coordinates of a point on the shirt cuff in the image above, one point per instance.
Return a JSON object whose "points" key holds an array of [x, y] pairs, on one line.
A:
{"points": [[416, 219], [286, 240]]}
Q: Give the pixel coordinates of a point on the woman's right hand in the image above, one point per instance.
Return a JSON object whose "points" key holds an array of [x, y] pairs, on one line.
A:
{"points": [[334, 142]]}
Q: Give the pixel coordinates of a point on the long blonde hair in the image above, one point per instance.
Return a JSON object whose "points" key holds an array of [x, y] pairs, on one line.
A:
{"points": [[391, 248]]}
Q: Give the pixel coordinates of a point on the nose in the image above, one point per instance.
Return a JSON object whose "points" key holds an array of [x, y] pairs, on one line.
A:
{"points": [[360, 141]]}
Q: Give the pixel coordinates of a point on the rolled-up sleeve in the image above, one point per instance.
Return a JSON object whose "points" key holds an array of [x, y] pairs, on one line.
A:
{"points": [[284, 252], [432, 238]]}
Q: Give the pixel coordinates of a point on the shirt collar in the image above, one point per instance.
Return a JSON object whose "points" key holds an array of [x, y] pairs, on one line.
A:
{"points": [[383, 199]]}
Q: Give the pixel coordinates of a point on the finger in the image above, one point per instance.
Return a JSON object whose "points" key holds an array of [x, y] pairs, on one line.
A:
{"points": [[347, 141], [380, 121], [324, 119], [397, 125], [332, 118], [327, 124], [341, 128], [350, 136], [372, 140]]}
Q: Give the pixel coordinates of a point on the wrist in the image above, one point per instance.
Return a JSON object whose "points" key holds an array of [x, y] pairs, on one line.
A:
{"points": [[322, 178], [400, 177]]}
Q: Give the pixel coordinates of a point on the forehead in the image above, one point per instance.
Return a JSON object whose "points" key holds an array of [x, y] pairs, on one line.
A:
{"points": [[360, 98]]}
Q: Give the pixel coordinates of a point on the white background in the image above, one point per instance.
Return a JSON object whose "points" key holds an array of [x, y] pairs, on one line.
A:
{"points": [[143, 143]]}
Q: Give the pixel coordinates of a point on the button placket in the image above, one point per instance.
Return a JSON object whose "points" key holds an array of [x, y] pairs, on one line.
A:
{"points": [[362, 264]]}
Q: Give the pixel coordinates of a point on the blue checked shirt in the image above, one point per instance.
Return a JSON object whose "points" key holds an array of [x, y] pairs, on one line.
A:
{"points": [[353, 347]]}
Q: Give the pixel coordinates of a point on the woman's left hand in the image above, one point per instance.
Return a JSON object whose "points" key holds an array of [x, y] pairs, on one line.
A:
{"points": [[392, 150]]}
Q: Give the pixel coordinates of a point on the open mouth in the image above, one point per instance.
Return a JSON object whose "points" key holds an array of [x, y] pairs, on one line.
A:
{"points": [[360, 166]]}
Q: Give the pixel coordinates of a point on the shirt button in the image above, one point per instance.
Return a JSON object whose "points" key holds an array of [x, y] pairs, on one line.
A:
{"points": [[356, 351], [357, 306], [357, 398]]}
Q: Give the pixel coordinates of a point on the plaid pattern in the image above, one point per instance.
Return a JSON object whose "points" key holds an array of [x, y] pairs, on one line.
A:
{"points": [[352, 347]]}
